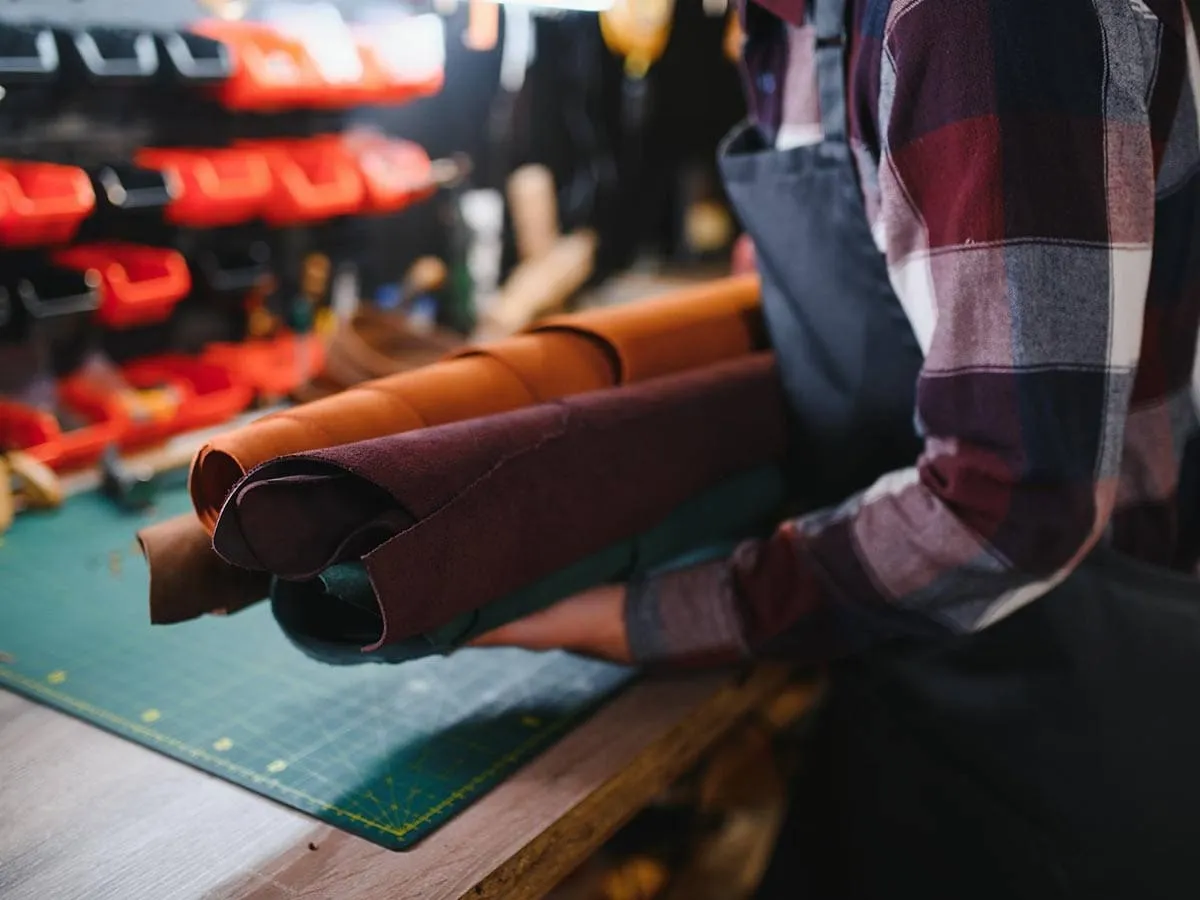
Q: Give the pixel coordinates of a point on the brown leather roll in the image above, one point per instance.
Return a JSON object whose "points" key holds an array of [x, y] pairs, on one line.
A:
{"points": [[681, 330], [187, 579]]}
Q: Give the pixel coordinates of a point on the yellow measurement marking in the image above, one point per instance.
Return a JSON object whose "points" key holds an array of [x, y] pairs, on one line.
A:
{"points": [[276, 766], [222, 744], [58, 676], [531, 721], [151, 715]]}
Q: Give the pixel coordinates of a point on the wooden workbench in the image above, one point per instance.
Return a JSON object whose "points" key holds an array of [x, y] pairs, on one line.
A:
{"points": [[85, 814]]}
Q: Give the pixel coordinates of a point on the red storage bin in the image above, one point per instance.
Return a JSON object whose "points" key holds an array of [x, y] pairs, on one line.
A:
{"points": [[210, 395], [406, 53], [201, 395], [107, 424], [270, 71], [314, 179], [349, 78], [138, 285], [395, 173], [387, 87], [24, 428], [274, 70], [375, 87], [43, 203], [217, 187], [273, 367], [39, 434]]}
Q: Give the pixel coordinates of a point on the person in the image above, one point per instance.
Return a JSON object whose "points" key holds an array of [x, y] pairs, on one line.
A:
{"points": [[977, 224]]}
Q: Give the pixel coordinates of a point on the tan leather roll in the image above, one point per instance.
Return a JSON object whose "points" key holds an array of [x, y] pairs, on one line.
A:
{"points": [[680, 330]]}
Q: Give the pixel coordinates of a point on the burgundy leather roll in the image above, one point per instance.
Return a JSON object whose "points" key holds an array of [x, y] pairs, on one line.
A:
{"points": [[451, 517]]}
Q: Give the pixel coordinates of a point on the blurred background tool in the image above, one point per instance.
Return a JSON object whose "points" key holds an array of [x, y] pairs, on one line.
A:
{"points": [[130, 487]]}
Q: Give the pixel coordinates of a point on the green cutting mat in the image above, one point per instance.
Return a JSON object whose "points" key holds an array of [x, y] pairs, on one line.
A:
{"points": [[386, 752]]}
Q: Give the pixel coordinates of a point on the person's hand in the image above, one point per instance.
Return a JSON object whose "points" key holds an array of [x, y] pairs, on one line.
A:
{"points": [[591, 623]]}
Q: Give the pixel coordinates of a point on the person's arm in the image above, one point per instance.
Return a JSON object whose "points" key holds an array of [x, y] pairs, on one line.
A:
{"points": [[1016, 204], [1016, 192]]}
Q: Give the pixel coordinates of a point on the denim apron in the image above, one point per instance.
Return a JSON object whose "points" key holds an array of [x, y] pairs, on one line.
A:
{"points": [[848, 357], [1056, 753]]}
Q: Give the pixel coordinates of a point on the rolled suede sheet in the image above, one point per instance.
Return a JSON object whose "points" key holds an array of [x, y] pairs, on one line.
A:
{"points": [[684, 329], [333, 617], [468, 512]]}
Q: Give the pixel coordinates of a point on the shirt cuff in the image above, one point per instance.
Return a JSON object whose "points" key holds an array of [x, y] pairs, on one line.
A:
{"points": [[684, 616]]}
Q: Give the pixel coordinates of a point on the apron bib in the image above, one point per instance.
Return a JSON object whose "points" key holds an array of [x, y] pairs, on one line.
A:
{"points": [[850, 359], [1055, 754]]}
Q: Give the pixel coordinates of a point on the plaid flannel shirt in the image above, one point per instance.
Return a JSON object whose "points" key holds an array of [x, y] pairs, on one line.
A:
{"points": [[1031, 172]]}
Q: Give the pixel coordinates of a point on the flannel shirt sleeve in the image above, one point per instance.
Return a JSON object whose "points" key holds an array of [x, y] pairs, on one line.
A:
{"points": [[1015, 194]]}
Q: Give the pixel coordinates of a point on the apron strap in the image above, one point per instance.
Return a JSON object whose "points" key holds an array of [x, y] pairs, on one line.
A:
{"points": [[830, 23]]}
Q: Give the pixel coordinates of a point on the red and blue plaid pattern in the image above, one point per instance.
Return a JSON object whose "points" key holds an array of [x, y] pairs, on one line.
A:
{"points": [[1032, 174]]}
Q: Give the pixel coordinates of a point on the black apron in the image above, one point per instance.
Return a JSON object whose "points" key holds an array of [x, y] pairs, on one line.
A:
{"points": [[1055, 754]]}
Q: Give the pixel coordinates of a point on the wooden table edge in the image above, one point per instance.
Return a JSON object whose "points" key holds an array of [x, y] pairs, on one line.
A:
{"points": [[534, 871]]}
